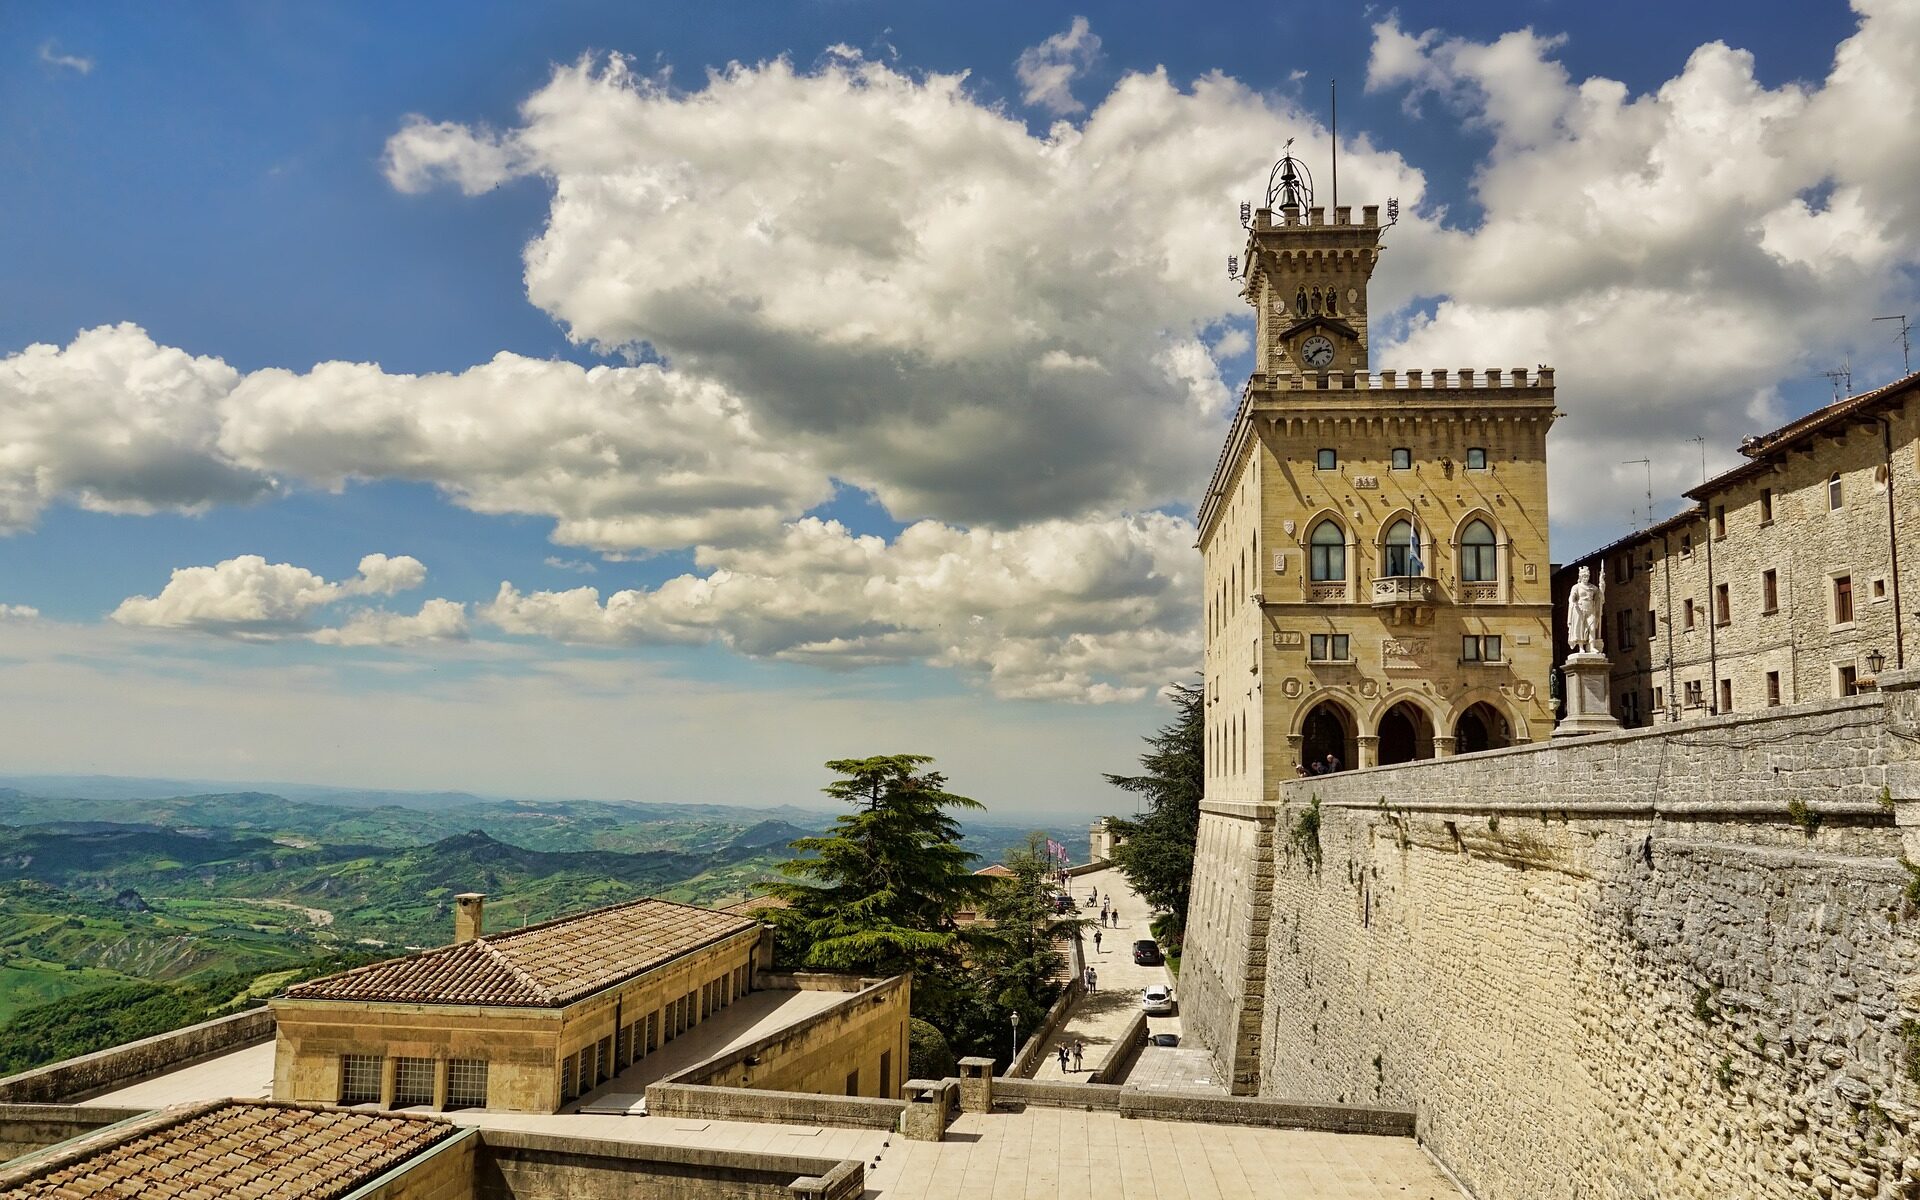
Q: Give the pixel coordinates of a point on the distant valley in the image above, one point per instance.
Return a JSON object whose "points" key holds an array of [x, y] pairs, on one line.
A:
{"points": [[174, 906]]}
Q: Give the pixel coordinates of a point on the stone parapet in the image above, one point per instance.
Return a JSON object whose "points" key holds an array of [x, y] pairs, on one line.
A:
{"points": [[122, 1066], [1681, 962]]}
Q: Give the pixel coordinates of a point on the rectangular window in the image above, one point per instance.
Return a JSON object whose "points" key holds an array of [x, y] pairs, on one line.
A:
{"points": [[360, 1078], [603, 1060], [886, 1074], [1719, 520], [622, 1047], [1402, 459], [1769, 592], [584, 1071], [1686, 545], [412, 1081], [1845, 682], [1625, 620], [652, 1042], [1328, 647], [1834, 496], [1653, 628], [1880, 589], [1842, 599], [1722, 605], [1622, 568], [567, 1089], [1726, 695], [1766, 506], [1688, 624], [467, 1083], [1659, 699], [1773, 689], [1326, 460], [1476, 458], [1695, 694], [1476, 647]]}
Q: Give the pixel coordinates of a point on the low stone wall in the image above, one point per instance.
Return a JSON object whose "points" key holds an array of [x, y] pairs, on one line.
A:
{"points": [[121, 1066], [1678, 962], [1093, 1097], [25, 1128], [1122, 1054], [782, 1108], [864, 1035], [513, 1165], [1213, 1109]]}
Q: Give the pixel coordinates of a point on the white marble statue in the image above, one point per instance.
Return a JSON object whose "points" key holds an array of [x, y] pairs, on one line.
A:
{"points": [[1585, 607]]}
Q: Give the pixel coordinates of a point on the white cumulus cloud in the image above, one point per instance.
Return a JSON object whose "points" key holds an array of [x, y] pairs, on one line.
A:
{"points": [[1046, 72], [250, 598], [1057, 610]]}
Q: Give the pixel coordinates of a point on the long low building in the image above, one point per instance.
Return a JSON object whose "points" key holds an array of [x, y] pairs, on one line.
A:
{"points": [[523, 1021]]}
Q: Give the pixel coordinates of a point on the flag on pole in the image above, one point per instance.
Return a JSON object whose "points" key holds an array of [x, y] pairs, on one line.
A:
{"points": [[1414, 565], [1056, 850]]}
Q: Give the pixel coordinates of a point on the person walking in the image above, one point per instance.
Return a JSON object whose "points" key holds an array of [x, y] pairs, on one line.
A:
{"points": [[1096, 941], [1060, 1051], [1079, 1052], [1093, 980]]}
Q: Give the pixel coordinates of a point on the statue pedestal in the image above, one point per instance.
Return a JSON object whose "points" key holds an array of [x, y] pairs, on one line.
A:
{"points": [[1588, 707]]}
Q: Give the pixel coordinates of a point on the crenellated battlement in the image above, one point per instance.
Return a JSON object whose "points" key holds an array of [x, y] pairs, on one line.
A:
{"points": [[1436, 379]]}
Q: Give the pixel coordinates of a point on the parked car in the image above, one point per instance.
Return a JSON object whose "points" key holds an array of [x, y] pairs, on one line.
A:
{"points": [[1157, 1001], [1146, 953], [1063, 902], [1164, 1039]]}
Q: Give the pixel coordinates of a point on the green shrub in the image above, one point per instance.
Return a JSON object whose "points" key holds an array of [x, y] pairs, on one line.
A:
{"points": [[928, 1054]]}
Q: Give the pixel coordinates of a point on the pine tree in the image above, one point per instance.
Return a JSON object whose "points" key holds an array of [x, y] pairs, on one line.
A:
{"points": [[1155, 852], [1022, 958], [879, 892]]}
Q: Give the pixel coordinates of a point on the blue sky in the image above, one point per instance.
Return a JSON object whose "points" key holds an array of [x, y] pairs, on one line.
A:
{"points": [[233, 180]]}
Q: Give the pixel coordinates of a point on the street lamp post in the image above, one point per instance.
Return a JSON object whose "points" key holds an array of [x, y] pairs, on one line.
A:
{"points": [[1016, 1042]]}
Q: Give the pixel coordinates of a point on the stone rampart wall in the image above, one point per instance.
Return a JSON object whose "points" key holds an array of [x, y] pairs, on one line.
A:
{"points": [[1678, 963], [856, 1047], [25, 1128]]}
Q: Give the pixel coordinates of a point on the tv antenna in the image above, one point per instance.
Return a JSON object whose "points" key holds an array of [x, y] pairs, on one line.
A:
{"points": [[1906, 349], [1648, 464], [1333, 130], [1701, 441], [1841, 377]]}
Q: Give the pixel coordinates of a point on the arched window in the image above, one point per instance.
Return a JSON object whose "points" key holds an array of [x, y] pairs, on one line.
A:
{"points": [[1478, 563], [1329, 547], [1401, 559], [1833, 491]]}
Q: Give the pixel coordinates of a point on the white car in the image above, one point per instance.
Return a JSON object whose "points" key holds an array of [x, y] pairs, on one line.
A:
{"points": [[1157, 1001]]}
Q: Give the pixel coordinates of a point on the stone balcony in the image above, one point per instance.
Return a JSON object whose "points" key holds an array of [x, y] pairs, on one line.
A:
{"points": [[1408, 596]]}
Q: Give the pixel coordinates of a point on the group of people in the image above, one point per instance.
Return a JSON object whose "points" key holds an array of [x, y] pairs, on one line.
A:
{"points": [[1323, 766], [1076, 1050], [1109, 915]]}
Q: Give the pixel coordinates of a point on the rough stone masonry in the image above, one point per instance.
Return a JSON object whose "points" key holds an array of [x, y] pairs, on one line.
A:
{"points": [[1676, 962]]}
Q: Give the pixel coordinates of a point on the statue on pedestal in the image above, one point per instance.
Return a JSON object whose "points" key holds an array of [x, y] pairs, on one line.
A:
{"points": [[1587, 671], [1586, 616]]}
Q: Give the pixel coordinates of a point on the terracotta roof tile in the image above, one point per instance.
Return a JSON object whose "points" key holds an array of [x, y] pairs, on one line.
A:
{"points": [[261, 1150], [542, 966]]}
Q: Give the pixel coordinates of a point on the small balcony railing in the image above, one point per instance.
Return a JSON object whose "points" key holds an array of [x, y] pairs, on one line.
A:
{"points": [[1399, 591]]}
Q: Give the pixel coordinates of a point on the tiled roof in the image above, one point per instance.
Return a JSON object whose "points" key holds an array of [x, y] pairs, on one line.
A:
{"points": [[542, 966], [259, 1150], [1797, 432]]}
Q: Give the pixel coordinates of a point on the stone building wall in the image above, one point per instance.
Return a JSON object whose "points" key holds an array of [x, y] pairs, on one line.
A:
{"points": [[1775, 513], [1222, 978], [1674, 962]]}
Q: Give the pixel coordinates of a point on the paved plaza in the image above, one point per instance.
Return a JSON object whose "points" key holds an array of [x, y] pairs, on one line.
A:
{"points": [[1101, 1019]]}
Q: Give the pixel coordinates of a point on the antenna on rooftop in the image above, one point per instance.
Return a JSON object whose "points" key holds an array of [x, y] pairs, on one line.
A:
{"points": [[1841, 377], [1702, 442], [1906, 349], [1648, 464]]}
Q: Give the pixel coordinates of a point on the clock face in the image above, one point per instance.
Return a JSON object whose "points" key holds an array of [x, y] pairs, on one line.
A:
{"points": [[1317, 351]]}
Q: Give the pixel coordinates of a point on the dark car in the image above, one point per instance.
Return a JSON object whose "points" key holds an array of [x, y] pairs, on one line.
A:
{"points": [[1164, 1039], [1063, 903], [1146, 953]]}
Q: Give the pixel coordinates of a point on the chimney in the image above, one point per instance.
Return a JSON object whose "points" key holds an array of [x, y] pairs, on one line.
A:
{"points": [[469, 916]]}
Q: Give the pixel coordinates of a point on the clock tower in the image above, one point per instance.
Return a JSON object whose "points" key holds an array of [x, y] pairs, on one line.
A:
{"points": [[1307, 280]]}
